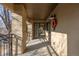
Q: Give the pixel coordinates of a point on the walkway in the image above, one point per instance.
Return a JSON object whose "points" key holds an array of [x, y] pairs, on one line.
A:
{"points": [[39, 47]]}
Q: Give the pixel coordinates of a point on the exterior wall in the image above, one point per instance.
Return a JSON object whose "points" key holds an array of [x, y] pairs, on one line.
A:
{"points": [[29, 30], [68, 21], [17, 30]]}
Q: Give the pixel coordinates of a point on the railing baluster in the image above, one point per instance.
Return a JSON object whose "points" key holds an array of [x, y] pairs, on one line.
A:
{"points": [[4, 48], [6, 45], [8, 48], [10, 45], [0, 47], [16, 46]]}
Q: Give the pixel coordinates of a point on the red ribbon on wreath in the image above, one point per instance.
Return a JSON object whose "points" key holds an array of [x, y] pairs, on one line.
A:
{"points": [[54, 23]]}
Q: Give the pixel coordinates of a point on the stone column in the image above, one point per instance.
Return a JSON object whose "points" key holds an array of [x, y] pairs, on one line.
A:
{"points": [[19, 9]]}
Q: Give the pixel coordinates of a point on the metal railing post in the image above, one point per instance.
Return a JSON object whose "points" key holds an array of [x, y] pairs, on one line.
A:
{"points": [[16, 53], [10, 45], [0, 47]]}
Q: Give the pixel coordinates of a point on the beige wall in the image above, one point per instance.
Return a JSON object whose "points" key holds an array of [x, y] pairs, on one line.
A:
{"points": [[68, 22]]}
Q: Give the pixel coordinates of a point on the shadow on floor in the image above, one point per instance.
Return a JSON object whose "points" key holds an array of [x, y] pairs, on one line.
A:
{"points": [[37, 46], [54, 51], [43, 43]]}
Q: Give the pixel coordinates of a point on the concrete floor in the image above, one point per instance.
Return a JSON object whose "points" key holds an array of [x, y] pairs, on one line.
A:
{"points": [[39, 47]]}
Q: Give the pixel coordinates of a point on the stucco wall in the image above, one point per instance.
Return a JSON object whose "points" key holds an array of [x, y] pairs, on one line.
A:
{"points": [[68, 22]]}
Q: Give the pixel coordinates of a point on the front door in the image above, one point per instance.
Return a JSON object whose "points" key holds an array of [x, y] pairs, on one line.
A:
{"points": [[40, 28], [37, 27]]}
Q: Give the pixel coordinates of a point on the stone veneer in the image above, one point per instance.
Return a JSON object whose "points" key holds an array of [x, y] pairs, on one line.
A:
{"points": [[59, 43]]}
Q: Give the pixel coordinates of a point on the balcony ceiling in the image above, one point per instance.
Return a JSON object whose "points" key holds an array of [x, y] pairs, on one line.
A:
{"points": [[39, 11]]}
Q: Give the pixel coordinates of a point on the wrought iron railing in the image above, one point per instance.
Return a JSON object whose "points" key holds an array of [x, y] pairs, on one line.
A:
{"points": [[6, 44]]}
